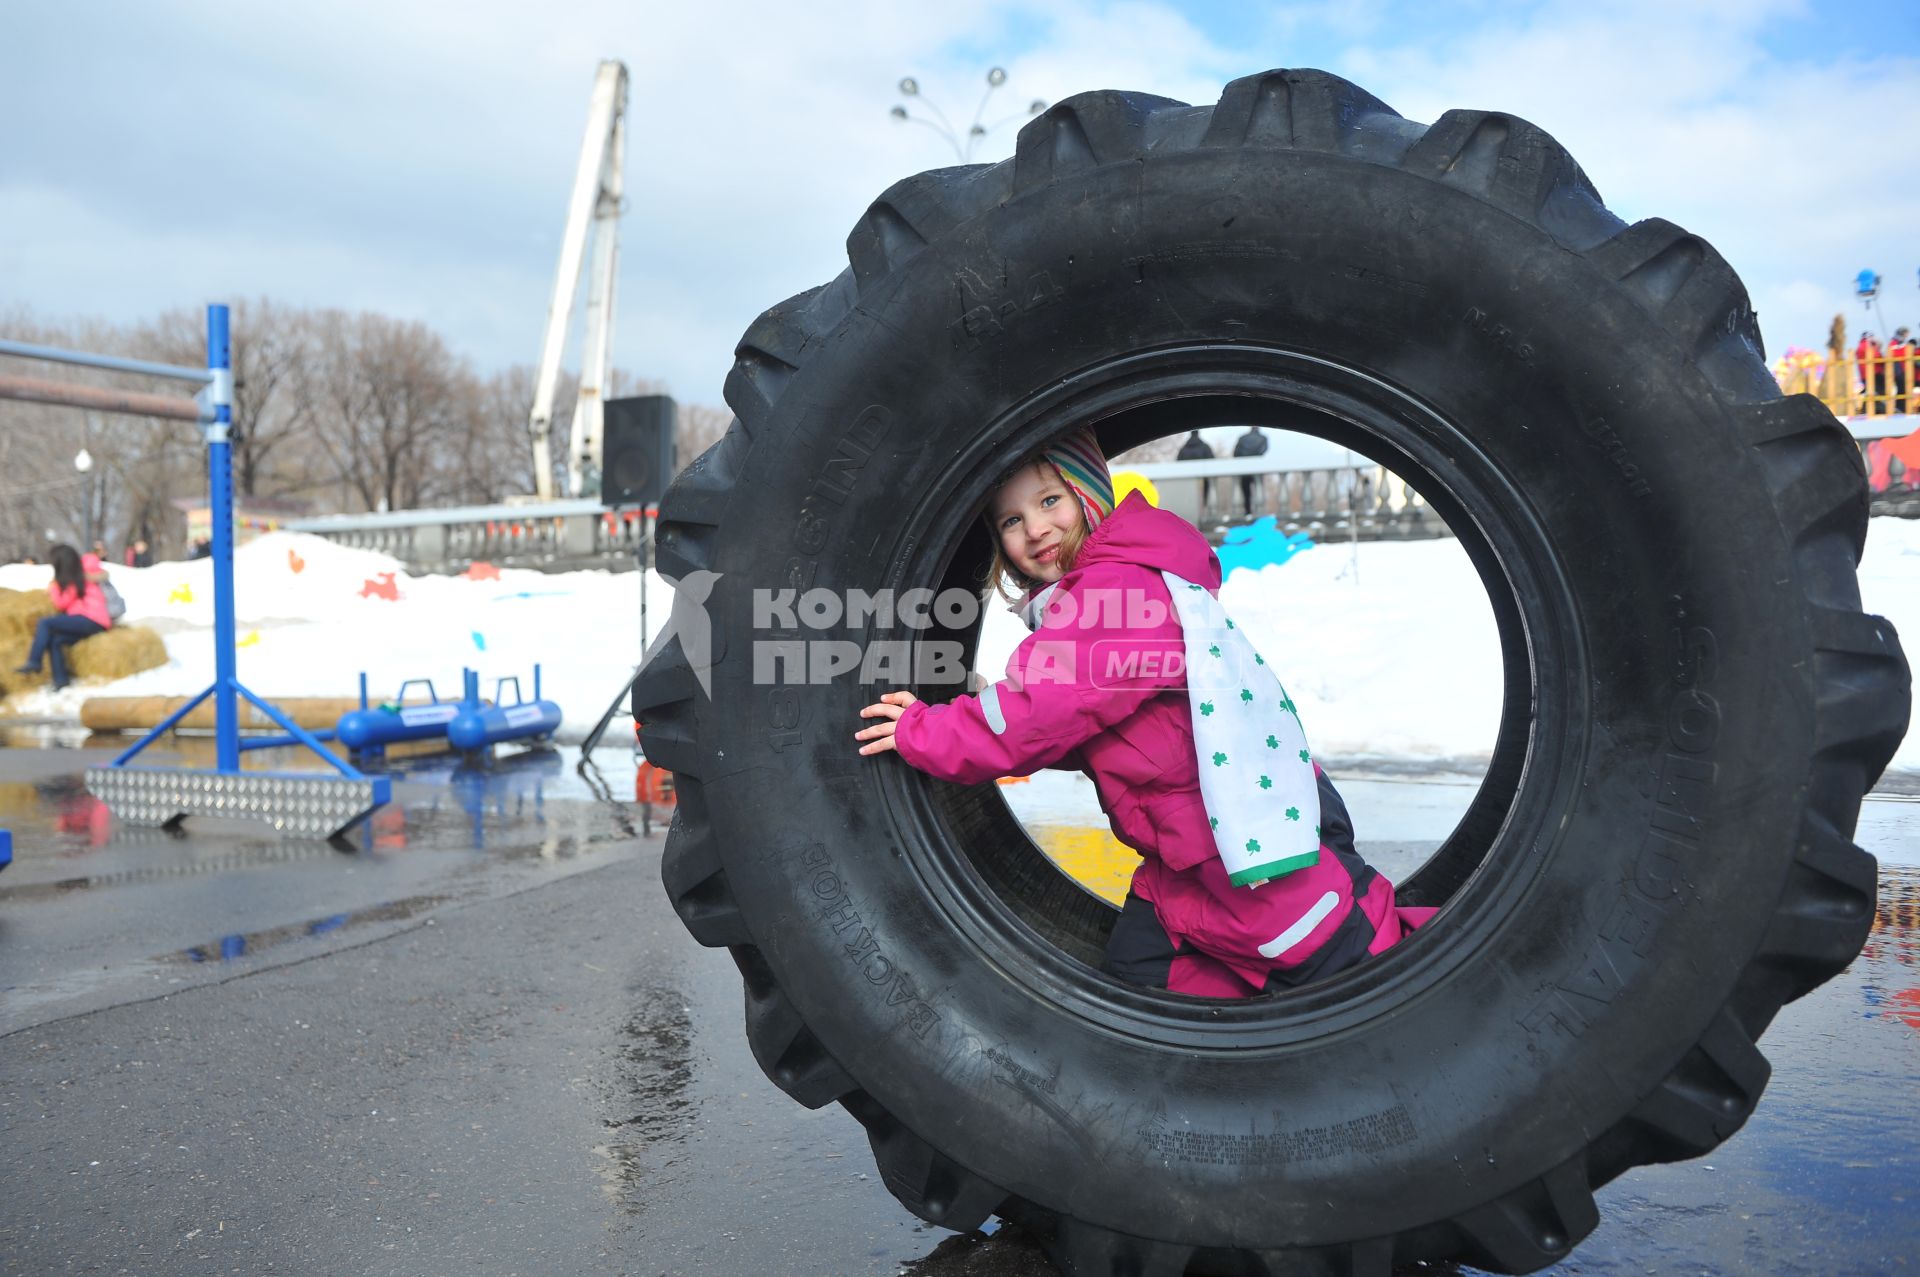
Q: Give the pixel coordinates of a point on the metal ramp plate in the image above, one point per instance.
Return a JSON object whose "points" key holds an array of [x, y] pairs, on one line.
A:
{"points": [[292, 802]]}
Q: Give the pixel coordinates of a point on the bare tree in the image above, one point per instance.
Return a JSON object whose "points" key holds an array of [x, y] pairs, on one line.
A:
{"points": [[350, 411], [391, 407], [700, 427], [270, 346], [500, 464], [140, 465]]}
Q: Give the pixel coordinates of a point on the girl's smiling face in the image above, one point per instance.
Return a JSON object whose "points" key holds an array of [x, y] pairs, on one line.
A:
{"points": [[1032, 514]]}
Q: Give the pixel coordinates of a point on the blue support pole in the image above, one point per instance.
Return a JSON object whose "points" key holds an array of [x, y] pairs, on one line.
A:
{"points": [[226, 716], [298, 802]]}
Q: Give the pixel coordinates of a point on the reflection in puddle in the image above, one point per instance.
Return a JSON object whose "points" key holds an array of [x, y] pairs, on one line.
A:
{"points": [[997, 1250], [508, 792], [1893, 950], [241, 944], [651, 1096]]}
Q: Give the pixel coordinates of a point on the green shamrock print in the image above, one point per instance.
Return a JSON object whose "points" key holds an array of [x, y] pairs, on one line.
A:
{"points": [[1206, 708], [1219, 760], [1253, 844], [1293, 813], [1273, 742], [1266, 782], [1213, 822], [1245, 694], [1259, 659], [1304, 757], [1214, 650], [1229, 624]]}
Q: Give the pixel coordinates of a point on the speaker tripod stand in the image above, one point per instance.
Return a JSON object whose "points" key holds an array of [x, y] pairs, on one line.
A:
{"points": [[644, 553]]}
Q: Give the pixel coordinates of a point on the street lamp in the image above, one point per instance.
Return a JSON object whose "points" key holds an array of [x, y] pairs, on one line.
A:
{"points": [[1866, 286], [83, 462], [962, 144]]}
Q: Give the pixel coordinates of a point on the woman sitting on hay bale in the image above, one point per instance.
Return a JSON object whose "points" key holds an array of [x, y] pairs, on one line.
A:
{"points": [[80, 595]]}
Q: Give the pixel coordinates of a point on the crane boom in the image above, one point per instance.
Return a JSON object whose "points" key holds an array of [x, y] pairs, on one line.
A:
{"points": [[593, 210]]}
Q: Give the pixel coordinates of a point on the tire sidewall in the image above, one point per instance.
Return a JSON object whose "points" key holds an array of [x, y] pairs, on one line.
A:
{"points": [[1629, 904]]}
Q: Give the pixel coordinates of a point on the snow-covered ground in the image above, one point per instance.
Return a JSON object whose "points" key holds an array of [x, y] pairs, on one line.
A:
{"points": [[1389, 649]]}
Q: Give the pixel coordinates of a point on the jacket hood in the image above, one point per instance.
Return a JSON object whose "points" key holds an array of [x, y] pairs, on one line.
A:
{"points": [[1137, 532]]}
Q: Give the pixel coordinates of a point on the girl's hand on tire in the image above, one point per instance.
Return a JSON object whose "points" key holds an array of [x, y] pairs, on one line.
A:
{"points": [[880, 735]]}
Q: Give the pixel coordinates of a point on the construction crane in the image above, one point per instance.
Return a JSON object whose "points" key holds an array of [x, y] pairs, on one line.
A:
{"points": [[593, 213]]}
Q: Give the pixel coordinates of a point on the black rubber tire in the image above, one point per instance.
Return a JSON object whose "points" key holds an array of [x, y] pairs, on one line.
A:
{"points": [[1660, 858]]}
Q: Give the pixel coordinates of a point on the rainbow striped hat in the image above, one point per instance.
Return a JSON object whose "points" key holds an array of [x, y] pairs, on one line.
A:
{"points": [[1083, 467]]}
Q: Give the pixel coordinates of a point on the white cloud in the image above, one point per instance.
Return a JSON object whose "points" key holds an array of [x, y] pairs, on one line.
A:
{"points": [[1794, 172], [416, 157]]}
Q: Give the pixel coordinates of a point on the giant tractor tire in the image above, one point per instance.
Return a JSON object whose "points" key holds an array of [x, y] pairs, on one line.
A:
{"points": [[1660, 855]]}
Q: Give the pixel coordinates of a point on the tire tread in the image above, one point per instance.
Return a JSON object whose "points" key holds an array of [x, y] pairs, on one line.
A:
{"points": [[1861, 686]]}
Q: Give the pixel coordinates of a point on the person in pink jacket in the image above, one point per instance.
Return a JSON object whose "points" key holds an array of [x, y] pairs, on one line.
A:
{"points": [[83, 612], [1094, 587]]}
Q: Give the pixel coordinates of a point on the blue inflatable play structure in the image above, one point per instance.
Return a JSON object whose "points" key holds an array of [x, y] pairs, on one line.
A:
{"points": [[478, 726]]}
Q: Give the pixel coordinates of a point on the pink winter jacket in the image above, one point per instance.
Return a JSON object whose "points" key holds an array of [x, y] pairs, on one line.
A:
{"points": [[1087, 691]]}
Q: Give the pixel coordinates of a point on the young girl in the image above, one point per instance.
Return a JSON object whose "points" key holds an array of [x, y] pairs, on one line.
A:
{"points": [[1102, 686], [75, 590]]}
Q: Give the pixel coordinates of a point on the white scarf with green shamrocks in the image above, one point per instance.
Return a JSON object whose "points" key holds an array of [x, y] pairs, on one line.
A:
{"points": [[1256, 772]]}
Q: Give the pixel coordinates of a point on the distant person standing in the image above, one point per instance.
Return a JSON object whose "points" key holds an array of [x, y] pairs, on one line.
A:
{"points": [[83, 614], [1871, 362], [1198, 449], [1251, 444], [1900, 353], [140, 555]]}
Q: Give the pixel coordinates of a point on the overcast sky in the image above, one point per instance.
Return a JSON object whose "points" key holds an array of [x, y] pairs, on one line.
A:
{"points": [[414, 156]]}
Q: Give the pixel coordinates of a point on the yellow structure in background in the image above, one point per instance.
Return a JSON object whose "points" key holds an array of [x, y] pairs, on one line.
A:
{"points": [[1091, 856], [1125, 481], [1849, 383]]}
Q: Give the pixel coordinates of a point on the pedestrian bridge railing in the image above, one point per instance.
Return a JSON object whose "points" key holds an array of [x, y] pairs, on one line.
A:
{"points": [[554, 535], [1306, 484]]}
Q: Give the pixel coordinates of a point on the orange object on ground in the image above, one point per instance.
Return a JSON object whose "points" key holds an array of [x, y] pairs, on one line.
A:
{"points": [[653, 785], [381, 587]]}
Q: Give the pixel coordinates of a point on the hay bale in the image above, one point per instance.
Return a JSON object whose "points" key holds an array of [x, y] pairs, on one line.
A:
{"points": [[13, 654], [18, 798], [21, 610], [122, 651], [138, 713]]}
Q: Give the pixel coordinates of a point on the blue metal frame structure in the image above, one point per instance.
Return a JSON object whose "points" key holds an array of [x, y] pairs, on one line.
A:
{"points": [[295, 802]]}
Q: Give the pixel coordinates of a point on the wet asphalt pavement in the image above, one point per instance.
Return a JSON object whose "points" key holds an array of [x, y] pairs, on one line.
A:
{"points": [[479, 1042]]}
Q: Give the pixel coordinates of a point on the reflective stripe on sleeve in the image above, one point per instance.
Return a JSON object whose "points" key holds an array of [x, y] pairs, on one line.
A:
{"points": [[990, 706]]}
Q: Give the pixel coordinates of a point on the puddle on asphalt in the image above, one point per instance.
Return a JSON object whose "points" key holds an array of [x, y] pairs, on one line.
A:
{"points": [[241, 944], [499, 804], [650, 1103], [1896, 919]]}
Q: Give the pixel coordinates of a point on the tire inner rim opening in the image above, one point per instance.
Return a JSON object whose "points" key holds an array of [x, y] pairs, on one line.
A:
{"points": [[981, 862]]}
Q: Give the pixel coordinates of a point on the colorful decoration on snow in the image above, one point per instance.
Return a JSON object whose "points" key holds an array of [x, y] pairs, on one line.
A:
{"points": [[381, 587], [295, 562], [182, 593], [478, 571], [1259, 544]]}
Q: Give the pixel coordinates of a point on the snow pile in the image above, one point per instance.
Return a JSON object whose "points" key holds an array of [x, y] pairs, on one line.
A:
{"points": [[1389, 648], [311, 615]]}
